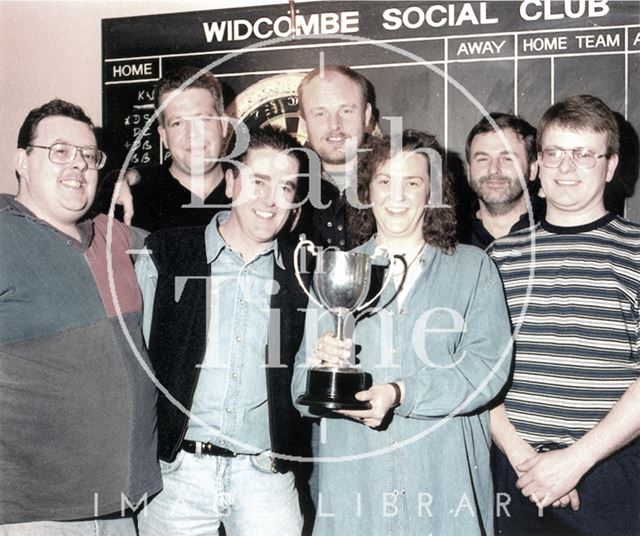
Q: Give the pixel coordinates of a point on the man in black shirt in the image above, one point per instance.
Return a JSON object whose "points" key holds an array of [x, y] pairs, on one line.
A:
{"points": [[499, 165], [185, 189], [335, 102]]}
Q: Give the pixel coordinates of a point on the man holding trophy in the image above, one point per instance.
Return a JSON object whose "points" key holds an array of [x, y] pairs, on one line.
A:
{"points": [[435, 342]]}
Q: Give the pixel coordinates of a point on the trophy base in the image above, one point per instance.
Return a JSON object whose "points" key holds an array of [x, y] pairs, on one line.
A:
{"points": [[330, 389], [331, 405]]}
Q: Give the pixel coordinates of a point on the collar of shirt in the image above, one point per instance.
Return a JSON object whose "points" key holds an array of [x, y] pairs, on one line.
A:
{"points": [[341, 181], [214, 243], [85, 227], [369, 247], [483, 238]]}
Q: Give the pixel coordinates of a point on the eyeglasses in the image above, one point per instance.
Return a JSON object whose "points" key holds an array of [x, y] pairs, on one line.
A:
{"points": [[63, 153], [582, 157]]}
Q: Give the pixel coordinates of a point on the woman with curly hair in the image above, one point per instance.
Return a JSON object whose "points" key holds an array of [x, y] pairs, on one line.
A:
{"points": [[437, 346]]}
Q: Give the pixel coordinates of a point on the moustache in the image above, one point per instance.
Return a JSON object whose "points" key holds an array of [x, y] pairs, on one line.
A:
{"points": [[487, 178]]}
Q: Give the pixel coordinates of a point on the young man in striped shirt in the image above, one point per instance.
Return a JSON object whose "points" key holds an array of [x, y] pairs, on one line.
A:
{"points": [[568, 458]]}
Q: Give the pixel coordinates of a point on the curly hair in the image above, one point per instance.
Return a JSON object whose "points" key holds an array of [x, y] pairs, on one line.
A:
{"points": [[439, 225]]}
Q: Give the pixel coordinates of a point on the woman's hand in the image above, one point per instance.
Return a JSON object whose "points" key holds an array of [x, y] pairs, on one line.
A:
{"points": [[331, 352], [382, 398]]}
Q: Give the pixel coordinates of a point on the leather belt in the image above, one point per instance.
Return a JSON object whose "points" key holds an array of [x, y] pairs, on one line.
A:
{"points": [[208, 449]]}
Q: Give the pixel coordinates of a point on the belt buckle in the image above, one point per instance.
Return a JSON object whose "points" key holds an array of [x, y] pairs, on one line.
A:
{"points": [[214, 450], [266, 461], [548, 447]]}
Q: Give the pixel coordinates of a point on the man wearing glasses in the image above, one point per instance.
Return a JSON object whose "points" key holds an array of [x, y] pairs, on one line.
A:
{"points": [[77, 426], [567, 431]]}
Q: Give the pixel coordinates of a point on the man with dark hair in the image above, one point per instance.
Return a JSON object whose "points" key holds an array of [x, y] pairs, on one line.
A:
{"points": [[335, 103], [192, 127], [77, 434], [223, 352], [501, 162], [567, 430]]}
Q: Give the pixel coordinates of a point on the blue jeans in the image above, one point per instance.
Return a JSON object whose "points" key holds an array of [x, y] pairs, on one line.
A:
{"points": [[94, 527], [202, 492]]}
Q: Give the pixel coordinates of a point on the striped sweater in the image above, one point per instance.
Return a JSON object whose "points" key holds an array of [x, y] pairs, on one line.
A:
{"points": [[573, 295]]}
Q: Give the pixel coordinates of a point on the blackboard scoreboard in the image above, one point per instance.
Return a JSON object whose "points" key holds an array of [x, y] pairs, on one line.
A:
{"points": [[435, 66]]}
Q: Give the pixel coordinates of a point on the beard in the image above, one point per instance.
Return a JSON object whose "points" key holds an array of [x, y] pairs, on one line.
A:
{"points": [[334, 158], [499, 202]]}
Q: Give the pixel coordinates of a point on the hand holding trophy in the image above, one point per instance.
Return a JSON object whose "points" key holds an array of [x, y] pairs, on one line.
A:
{"points": [[341, 281]]}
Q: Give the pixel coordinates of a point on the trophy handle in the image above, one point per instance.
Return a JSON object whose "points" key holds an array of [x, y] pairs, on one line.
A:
{"points": [[296, 265], [385, 252]]}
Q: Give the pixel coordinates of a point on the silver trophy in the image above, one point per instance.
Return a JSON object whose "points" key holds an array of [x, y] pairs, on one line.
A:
{"points": [[341, 281]]}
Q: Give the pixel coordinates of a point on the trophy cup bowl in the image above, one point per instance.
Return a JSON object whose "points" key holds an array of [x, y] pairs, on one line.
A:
{"points": [[341, 282]]}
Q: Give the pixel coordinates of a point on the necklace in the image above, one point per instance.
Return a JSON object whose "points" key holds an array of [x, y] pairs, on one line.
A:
{"points": [[415, 257], [408, 265]]}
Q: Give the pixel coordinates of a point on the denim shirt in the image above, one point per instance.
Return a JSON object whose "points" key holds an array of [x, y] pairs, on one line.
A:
{"points": [[426, 470], [230, 401]]}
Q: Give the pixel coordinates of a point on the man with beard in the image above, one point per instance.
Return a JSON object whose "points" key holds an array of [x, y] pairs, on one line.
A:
{"points": [[499, 163], [335, 102]]}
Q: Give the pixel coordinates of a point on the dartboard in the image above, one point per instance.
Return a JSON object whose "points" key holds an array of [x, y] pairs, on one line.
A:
{"points": [[271, 101]]}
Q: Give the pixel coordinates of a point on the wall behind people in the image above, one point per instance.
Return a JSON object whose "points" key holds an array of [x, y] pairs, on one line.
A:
{"points": [[434, 65], [53, 49], [50, 49]]}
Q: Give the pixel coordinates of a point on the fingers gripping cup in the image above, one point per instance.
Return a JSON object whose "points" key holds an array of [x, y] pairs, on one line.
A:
{"points": [[341, 281]]}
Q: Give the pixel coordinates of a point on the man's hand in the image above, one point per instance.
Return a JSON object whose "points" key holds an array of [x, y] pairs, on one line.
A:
{"points": [[125, 199], [381, 397], [550, 478], [570, 499], [519, 452]]}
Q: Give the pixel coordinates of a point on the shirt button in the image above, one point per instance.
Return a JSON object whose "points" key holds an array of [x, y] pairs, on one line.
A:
{"points": [[329, 224], [395, 492], [342, 242], [242, 302], [229, 410], [234, 375], [329, 241], [237, 339], [340, 227]]}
